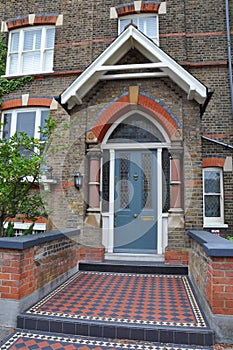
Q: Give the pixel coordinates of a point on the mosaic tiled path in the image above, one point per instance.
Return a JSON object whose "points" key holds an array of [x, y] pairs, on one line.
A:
{"points": [[26, 340], [144, 307]]}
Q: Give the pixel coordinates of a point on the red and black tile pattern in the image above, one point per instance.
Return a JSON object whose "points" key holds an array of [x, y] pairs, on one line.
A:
{"points": [[25, 340], [135, 299]]}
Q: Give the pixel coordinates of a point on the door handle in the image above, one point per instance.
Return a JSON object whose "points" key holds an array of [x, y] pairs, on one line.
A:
{"points": [[135, 215]]}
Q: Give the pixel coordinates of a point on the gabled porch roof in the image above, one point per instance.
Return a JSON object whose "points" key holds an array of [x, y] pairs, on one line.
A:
{"points": [[161, 65]]}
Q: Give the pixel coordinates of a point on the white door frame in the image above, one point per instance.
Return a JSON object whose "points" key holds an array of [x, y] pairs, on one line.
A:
{"points": [[108, 217]]}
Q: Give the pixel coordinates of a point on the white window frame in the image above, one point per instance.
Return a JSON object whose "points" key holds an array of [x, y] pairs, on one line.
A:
{"points": [[42, 50], [155, 38], [14, 113], [214, 222]]}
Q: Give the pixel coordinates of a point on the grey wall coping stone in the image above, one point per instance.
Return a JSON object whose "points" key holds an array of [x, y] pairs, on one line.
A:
{"points": [[28, 241], [213, 245]]}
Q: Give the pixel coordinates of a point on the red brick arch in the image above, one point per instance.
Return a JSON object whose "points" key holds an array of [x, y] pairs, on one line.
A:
{"points": [[32, 102], [24, 21], [213, 162], [129, 9], [122, 106]]}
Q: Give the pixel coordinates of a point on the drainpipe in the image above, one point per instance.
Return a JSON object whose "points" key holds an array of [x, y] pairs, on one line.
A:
{"points": [[229, 53]]}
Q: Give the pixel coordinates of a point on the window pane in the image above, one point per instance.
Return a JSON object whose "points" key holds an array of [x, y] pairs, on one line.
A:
{"points": [[13, 64], [50, 36], [32, 40], [124, 23], [48, 61], [212, 206], [14, 47], [7, 126], [26, 122], [212, 181], [150, 26], [44, 117], [31, 62]]}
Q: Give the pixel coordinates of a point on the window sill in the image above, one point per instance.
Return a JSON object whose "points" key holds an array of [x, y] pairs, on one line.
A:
{"points": [[19, 75], [215, 225]]}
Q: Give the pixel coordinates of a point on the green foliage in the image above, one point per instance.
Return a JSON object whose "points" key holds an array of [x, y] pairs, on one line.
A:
{"points": [[21, 158], [230, 238], [3, 52], [9, 85], [9, 231], [29, 230]]}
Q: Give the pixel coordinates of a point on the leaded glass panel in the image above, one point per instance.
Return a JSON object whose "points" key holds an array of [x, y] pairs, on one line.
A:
{"points": [[212, 182], [147, 180], [124, 180], [166, 180], [105, 182], [212, 206], [136, 129]]}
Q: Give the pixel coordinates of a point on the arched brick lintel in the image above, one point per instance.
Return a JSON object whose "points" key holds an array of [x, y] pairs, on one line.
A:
{"points": [[37, 19], [213, 162], [122, 106], [32, 102], [129, 9]]}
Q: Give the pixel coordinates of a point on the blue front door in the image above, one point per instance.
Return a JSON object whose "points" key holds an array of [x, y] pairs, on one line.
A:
{"points": [[135, 216]]}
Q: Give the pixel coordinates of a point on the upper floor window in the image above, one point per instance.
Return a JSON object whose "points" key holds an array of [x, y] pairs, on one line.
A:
{"points": [[147, 24], [30, 50], [213, 197], [24, 120]]}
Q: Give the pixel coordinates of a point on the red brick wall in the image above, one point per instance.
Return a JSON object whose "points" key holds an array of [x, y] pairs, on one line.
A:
{"points": [[219, 288], [24, 271], [213, 278]]}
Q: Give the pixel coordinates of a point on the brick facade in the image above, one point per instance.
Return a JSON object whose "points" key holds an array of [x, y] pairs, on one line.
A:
{"points": [[194, 34]]}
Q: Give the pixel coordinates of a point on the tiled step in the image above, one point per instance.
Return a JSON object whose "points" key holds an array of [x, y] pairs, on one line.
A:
{"points": [[134, 267], [26, 340], [141, 307]]}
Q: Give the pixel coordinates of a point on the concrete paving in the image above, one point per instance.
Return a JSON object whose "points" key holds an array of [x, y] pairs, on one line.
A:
{"points": [[4, 332]]}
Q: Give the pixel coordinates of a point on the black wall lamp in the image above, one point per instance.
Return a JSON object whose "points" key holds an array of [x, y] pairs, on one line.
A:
{"points": [[78, 180]]}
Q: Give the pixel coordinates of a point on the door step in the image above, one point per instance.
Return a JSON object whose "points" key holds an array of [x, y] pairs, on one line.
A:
{"points": [[140, 267]]}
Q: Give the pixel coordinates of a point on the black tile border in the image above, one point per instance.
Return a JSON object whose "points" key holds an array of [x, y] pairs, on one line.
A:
{"points": [[188, 336]]}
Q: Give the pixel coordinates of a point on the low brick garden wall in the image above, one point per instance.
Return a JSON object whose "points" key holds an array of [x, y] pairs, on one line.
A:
{"points": [[211, 272], [31, 266]]}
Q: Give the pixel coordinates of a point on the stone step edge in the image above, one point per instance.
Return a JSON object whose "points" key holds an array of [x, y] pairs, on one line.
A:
{"points": [[161, 269]]}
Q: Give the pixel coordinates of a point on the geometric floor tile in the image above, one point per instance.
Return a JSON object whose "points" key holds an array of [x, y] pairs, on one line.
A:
{"points": [[26, 340], [141, 299]]}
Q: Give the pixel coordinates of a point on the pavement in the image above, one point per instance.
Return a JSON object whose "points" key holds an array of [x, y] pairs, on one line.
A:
{"points": [[4, 332]]}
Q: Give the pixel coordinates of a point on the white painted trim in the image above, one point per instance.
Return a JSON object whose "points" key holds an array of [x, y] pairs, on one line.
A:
{"points": [[159, 201], [111, 200], [214, 221], [131, 37], [131, 66], [14, 116], [133, 76]]}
